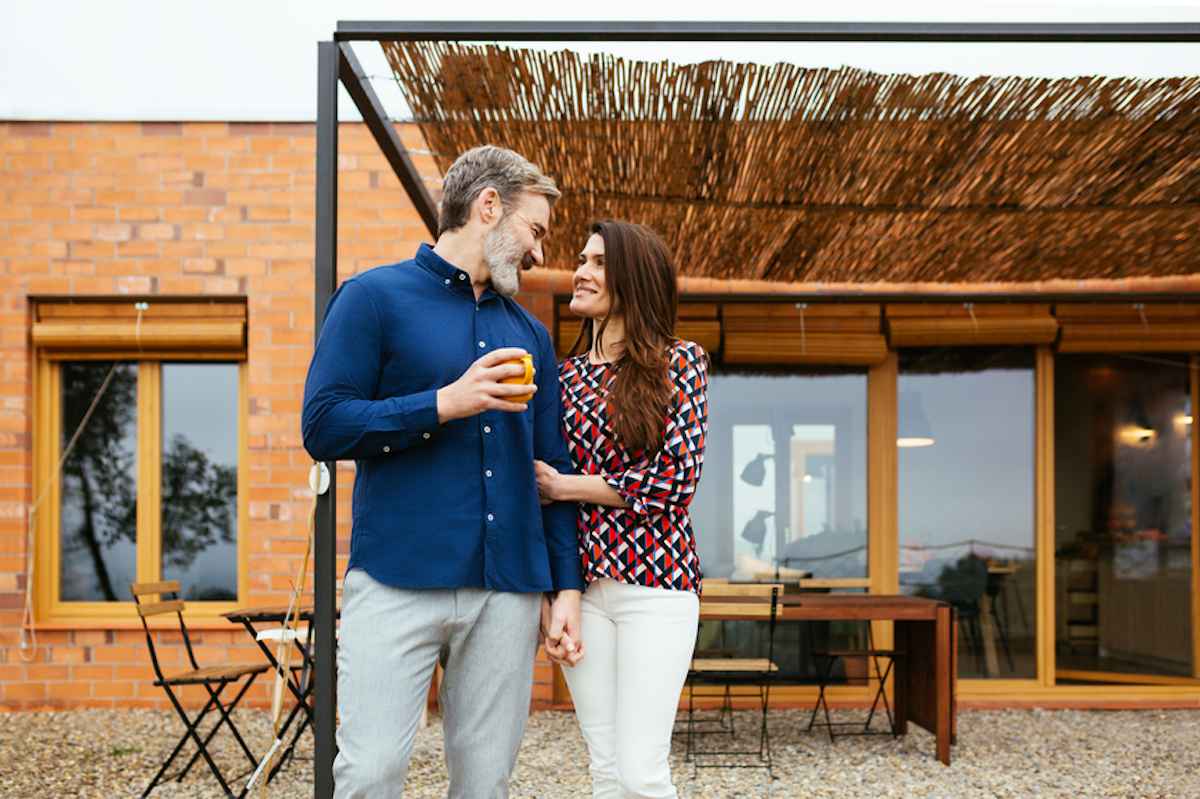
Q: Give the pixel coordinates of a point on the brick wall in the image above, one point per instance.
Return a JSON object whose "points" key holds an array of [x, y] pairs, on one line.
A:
{"points": [[184, 209]]}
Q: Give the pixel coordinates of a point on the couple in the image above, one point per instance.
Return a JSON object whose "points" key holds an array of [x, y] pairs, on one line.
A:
{"points": [[481, 515]]}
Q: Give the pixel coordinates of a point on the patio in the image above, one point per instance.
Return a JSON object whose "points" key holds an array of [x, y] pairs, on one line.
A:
{"points": [[104, 753]]}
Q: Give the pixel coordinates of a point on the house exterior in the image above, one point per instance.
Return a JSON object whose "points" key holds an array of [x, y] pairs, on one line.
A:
{"points": [[953, 355]]}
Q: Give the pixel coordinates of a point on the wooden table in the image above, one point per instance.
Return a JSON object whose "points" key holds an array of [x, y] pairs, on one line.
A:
{"points": [[924, 631]]}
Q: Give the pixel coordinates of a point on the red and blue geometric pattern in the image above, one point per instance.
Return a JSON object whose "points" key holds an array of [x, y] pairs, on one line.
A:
{"points": [[651, 542]]}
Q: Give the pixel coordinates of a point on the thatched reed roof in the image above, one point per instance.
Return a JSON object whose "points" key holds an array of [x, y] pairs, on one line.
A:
{"points": [[784, 173]]}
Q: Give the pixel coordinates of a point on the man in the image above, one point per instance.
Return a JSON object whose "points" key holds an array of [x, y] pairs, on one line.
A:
{"points": [[450, 551]]}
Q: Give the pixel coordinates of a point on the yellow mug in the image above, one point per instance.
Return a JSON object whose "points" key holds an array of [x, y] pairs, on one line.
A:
{"points": [[524, 380]]}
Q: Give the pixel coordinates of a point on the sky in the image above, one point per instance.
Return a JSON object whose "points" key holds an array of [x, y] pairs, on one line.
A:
{"points": [[256, 61]]}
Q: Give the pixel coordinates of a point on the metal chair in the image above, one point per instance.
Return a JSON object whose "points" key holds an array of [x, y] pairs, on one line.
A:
{"points": [[214, 679], [736, 602]]}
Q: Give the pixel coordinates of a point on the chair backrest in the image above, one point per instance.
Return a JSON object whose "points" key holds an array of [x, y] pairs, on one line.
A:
{"points": [[145, 591], [743, 602]]}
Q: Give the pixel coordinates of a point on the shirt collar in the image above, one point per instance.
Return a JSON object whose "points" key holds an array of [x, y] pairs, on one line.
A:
{"points": [[447, 274]]}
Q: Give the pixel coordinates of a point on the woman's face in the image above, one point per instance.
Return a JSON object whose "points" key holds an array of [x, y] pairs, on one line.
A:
{"points": [[590, 297]]}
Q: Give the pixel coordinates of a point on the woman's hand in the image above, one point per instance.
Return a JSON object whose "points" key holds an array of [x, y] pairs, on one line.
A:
{"points": [[549, 482]]}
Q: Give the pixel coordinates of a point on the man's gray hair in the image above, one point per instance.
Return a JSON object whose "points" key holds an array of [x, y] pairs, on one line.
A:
{"points": [[507, 172]]}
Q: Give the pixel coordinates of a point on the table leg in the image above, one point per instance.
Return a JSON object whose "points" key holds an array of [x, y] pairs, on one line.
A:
{"points": [[902, 676], [945, 678]]}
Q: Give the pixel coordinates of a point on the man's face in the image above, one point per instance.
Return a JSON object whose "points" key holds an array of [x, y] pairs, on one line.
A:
{"points": [[515, 243]]}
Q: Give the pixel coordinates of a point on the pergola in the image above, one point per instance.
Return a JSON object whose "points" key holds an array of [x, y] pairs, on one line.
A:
{"points": [[1114, 135]]}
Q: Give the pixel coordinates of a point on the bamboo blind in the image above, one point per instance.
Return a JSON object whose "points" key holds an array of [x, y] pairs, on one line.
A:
{"points": [[215, 326], [799, 333], [969, 324], [697, 322], [1129, 327]]}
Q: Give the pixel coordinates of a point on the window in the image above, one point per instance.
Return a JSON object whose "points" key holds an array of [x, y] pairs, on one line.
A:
{"points": [[151, 484], [784, 482], [965, 436]]}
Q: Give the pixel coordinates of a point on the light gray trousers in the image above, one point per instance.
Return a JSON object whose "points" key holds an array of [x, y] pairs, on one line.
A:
{"points": [[389, 642]]}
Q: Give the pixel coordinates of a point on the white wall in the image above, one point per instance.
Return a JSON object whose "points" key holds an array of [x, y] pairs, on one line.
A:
{"points": [[256, 59]]}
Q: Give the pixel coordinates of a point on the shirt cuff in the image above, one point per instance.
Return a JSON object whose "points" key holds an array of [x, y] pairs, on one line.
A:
{"points": [[634, 500], [415, 416], [566, 572]]}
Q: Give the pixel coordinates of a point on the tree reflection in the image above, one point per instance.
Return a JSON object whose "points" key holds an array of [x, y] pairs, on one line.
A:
{"points": [[199, 497]]}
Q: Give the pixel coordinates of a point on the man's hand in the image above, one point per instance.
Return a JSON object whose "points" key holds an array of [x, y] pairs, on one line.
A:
{"points": [[554, 649], [563, 628], [479, 389], [549, 482]]}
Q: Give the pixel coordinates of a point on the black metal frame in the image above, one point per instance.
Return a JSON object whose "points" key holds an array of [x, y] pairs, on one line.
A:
{"points": [[760, 680], [193, 724], [336, 63]]}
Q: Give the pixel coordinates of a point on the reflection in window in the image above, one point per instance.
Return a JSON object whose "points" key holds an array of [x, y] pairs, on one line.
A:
{"points": [[965, 432], [784, 482], [1123, 514], [98, 503], [199, 478]]}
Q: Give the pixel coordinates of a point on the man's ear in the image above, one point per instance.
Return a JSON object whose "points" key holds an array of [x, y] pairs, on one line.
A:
{"points": [[488, 206]]}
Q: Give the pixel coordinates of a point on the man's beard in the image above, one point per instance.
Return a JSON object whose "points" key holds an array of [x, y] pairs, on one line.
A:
{"points": [[504, 257]]}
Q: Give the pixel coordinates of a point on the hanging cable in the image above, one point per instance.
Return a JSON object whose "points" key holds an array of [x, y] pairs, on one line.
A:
{"points": [[803, 306]]}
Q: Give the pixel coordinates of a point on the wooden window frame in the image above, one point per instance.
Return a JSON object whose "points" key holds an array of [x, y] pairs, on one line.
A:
{"points": [[52, 612]]}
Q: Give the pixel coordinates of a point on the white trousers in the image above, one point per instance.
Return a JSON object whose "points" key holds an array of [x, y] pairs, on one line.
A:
{"points": [[638, 645]]}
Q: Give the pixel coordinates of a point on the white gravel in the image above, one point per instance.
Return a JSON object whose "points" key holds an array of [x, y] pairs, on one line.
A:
{"points": [[1011, 753]]}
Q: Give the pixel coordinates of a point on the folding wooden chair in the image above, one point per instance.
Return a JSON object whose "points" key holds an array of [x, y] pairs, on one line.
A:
{"points": [[736, 602], [213, 678]]}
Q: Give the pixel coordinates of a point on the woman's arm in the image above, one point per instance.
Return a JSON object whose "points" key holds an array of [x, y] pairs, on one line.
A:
{"points": [[558, 487]]}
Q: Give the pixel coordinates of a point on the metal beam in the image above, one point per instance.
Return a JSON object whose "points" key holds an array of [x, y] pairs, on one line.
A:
{"points": [[393, 149], [325, 526], [1122, 32]]}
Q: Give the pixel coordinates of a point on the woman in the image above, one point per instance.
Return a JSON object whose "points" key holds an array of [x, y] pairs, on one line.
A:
{"points": [[635, 420]]}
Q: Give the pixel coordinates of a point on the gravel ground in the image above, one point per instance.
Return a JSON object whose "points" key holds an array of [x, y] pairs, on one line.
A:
{"points": [[999, 754]]}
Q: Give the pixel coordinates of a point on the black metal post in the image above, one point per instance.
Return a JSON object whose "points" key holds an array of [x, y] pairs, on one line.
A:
{"points": [[732, 31], [325, 547]]}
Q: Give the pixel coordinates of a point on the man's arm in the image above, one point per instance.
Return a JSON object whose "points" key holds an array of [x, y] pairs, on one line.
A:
{"points": [[558, 518], [341, 419]]}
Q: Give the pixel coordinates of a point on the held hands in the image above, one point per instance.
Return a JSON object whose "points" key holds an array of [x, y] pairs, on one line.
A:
{"points": [[559, 630], [549, 482], [479, 389]]}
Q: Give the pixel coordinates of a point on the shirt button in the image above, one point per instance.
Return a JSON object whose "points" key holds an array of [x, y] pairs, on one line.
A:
{"points": [[487, 428], [462, 277], [488, 473], [482, 344], [447, 281], [387, 448], [425, 436], [491, 518]]}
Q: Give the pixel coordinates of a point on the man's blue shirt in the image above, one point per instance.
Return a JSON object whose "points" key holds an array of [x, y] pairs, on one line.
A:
{"points": [[438, 506]]}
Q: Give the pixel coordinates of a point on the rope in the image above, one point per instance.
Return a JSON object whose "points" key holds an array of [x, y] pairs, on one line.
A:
{"points": [[28, 633], [28, 638], [803, 306], [1140, 307]]}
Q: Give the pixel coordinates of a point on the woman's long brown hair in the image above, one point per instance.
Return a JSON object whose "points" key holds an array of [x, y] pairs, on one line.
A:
{"points": [[639, 273]]}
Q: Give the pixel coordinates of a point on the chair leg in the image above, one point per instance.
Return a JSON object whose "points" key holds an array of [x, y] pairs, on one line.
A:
{"points": [[225, 719], [179, 746], [200, 745], [881, 693]]}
